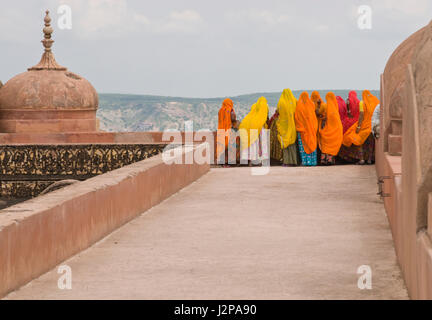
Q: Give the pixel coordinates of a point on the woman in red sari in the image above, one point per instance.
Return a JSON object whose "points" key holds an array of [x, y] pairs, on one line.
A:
{"points": [[353, 110], [360, 152], [349, 110]]}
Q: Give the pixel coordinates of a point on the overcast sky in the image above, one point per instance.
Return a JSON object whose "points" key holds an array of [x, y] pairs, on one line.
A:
{"points": [[202, 48]]}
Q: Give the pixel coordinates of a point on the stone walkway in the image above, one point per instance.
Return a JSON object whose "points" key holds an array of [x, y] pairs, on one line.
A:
{"points": [[296, 233]]}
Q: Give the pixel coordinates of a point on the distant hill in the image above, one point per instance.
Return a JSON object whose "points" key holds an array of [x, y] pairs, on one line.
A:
{"points": [[125, 112]]}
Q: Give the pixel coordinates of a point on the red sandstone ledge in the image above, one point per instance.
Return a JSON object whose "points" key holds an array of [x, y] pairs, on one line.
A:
{"points": [[87, 137], [38, 234]]}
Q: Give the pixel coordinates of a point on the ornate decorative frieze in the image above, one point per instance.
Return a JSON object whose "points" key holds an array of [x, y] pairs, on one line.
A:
{"points": [[26, 170]]}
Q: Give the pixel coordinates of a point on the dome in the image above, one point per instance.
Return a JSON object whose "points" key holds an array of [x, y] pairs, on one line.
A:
{"points": [[46, 89], [64, 101], [395, 70]]}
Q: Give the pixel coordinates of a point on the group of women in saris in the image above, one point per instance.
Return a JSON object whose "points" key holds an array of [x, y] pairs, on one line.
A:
{"points": [[308, 131]]}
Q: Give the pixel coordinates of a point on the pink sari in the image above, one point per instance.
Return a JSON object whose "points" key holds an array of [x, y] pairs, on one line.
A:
{"points": [[354, 103], [343, 112]]}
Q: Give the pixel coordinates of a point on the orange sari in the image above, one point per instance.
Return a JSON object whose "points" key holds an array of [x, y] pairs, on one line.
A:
{"points": [[224, 115], [315, 97], [224, 125], [322, 108], [306, 122], [351, 136], [331, 136]]}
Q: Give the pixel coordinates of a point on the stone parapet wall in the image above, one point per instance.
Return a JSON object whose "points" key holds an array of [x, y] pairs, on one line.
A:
{"points": [[408, 186], [84, 137], [62, 158], [110, 138], [413, 248], [39, 234], [95, 137], [430, 215]]}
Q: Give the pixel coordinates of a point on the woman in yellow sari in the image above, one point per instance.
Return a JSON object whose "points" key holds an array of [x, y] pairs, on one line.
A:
{"points": [[307, 126], [286, 128], [330, 132], [359, 136], [251, 131]]}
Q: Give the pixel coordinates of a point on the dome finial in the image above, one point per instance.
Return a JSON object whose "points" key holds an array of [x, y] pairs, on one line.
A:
{"points": [[48, 61], [48, 30]]}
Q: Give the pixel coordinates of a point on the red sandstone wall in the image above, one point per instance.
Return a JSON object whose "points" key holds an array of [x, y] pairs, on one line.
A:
{"points": [[412, 239], [88, 137], [37, 235]]}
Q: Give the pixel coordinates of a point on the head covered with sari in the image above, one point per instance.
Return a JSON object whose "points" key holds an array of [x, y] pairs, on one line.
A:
{"points": [[354, 104], [306, 122], [224, 119], [354, 108], [343, 113], [315, 97], [224, 116], [331, 135], [285, 123], [351, 136], [320, 105], [253, 123]]}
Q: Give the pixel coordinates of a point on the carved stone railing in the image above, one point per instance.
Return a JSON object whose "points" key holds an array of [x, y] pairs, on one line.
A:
{"points": [[26, 170]]}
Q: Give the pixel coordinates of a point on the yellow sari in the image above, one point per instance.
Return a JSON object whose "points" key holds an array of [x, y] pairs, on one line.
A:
{"points": [[285, 123], [253, 123]]}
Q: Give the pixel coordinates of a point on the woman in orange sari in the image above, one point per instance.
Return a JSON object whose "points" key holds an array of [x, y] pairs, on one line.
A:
{"points": [[226, 118], [316, 99], [306, 125], [330, 131], [359, 136], [320, 108]]}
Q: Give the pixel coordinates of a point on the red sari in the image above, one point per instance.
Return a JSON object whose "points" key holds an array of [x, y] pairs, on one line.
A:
{"points": [[354, 106], [343, 112]]}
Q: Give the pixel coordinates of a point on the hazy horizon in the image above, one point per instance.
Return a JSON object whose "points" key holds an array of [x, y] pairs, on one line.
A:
{"points": [[230, 96]]}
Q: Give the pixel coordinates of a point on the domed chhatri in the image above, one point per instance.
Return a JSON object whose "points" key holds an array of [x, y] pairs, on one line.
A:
{"points": [[48, 98]]}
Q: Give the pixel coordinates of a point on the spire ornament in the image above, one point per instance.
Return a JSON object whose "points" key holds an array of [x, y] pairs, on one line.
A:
{"points": [[48, 61]]}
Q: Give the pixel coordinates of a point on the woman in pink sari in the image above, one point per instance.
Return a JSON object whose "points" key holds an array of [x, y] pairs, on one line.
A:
{"points": [[349, 111], [343, 112]]}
